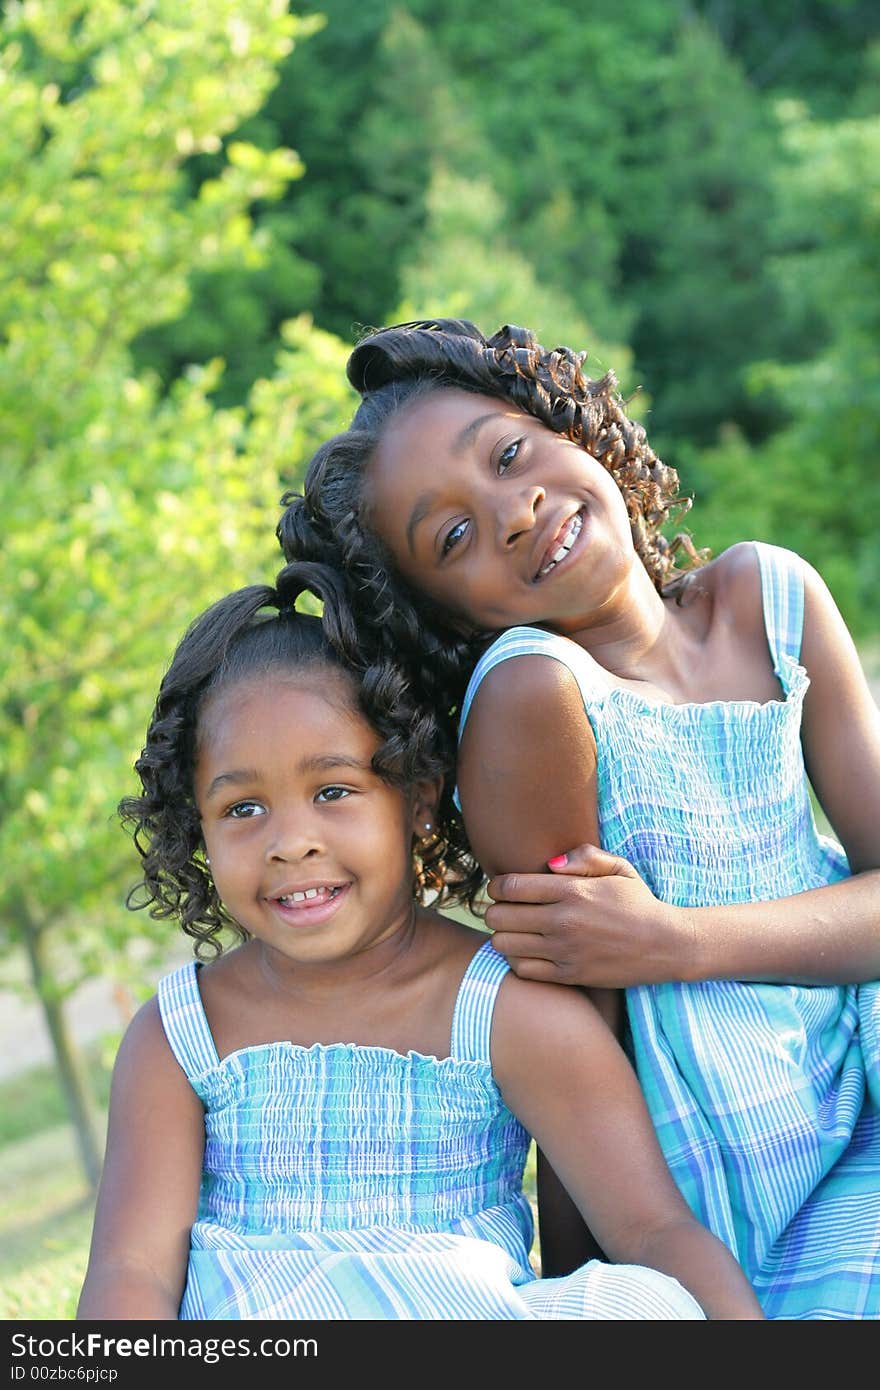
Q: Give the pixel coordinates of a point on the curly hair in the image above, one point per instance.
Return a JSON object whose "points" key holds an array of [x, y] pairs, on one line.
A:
{"points": [[236, 639], [393, 367]]}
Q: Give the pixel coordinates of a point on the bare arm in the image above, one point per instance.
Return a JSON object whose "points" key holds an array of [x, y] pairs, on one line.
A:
{"points": [[149, 1189], [518, 813], [826, 935], [565, 1076], [598, 923], [527, 781]]}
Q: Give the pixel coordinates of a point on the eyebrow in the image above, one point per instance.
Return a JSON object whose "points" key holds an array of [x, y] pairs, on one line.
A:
{"points": [[225, 779], [460, 443], [322, 762]]}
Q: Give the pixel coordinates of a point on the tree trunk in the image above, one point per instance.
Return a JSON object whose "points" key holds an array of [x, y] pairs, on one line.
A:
{"points": [[69, 1060]]}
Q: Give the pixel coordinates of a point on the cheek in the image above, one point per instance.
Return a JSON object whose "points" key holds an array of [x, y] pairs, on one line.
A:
{"points": [[387, 837]]}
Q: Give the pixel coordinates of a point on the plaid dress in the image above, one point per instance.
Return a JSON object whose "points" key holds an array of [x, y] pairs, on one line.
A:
{"points": [[765, 1097], [348, 1182]]}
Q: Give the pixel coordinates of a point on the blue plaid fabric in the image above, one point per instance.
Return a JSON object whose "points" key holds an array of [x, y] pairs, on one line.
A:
{"points": [[346, 1182], [766, 1098]]}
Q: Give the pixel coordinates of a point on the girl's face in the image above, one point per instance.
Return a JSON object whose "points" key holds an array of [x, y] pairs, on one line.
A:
{"points": [[310, 851], [494, 516]]}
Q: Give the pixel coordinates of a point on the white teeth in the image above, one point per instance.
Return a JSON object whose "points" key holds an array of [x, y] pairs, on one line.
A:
{"points": [[571, 535], [306, 894]]}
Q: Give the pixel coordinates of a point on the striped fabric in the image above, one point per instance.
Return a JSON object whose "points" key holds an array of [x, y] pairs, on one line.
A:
{"points": [[347, 1182], [766, 1098]]}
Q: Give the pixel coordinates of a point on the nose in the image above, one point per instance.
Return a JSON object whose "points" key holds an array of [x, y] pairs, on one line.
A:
{"points": [[293, 838], [518, 513]]}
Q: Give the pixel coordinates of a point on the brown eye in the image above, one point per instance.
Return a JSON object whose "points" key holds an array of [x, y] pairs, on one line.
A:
{"points": [[332, 794], [453, 536], [243, 810], [508, 455]]}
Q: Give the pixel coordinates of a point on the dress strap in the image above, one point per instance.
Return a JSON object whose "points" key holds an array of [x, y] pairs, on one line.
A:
{"points": [[782, 591], [472, 1016], [184, 1020]]}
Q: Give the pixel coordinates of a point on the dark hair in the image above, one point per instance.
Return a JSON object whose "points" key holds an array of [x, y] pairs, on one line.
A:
{"points": [[391, 368], [236, 639]]}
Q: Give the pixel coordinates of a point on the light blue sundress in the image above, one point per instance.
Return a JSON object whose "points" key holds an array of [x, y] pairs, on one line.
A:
{"points": [[349, 1182], [765, 1097]]}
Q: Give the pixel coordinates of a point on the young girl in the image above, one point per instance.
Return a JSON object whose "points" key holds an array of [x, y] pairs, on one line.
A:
{"points": [[672, 716], [331, 1120]]}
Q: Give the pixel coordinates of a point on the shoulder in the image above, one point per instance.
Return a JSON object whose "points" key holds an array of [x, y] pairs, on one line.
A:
{"points": [[734, 577], [514, 686], [828, 652], [528, 732], [739, 585], [145, 1060], [145, 1032], [736, 582], [738, 572], [546, 1024], [529, 689], [534, 1004], [523, 650]]}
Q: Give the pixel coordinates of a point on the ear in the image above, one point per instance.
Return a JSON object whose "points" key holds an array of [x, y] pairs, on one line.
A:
{"points": [[425, 800]]}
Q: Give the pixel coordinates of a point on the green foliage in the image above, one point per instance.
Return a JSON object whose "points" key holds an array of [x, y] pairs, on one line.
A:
{"points": [[127, 509], [466, 268], [813, 48], [627, 155], [235, 314], [813, 481], [618, 177]]}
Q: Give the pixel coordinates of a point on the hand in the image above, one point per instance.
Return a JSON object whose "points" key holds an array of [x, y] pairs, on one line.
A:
{"points": [[591, 921]]}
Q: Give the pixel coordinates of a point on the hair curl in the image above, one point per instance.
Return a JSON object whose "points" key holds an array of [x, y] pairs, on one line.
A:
{"points": [[235, 639], [391, 368]]}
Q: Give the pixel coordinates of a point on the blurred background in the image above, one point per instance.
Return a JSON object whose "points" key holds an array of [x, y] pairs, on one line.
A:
{"points": [[201, 208]]}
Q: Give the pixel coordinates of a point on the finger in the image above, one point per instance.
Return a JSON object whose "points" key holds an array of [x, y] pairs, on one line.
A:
{"points": [[520, 944], [527, 968], [523, 888], [589, 861], [526, 919]]}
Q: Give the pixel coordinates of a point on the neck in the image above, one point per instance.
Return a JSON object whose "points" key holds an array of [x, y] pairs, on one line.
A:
{"points": [[637, 635]]}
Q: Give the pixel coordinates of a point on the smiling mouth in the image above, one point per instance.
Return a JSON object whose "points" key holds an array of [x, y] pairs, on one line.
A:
{"points": [[562, 546], [325, 893]]}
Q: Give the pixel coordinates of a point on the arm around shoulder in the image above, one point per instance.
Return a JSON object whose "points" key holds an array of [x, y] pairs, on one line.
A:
{"points": [[149, 1189]]}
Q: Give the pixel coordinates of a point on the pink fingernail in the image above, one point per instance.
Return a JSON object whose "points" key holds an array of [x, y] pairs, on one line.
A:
{"points": [[559, 862]]}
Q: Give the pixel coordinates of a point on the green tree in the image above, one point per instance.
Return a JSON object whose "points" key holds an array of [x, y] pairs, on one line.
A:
{"points": [[126, 508], [817, 51], [813, 482], [631, 152], [463, 266]]}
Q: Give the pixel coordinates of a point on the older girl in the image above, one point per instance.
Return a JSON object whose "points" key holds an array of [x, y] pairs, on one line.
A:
{"points": [[501, 520]]}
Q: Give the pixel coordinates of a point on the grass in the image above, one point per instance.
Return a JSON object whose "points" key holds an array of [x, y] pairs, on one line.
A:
{"points": [[32, 1101], [45, 1224], [46, 1206]]}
